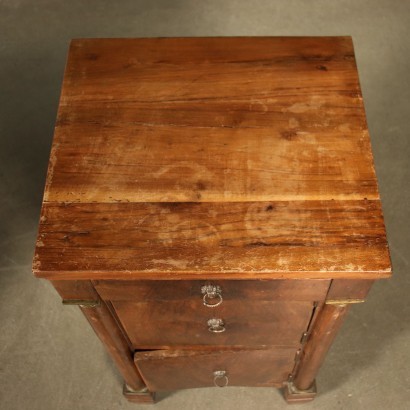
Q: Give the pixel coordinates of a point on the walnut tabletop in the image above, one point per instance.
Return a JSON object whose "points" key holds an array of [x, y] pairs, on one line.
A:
{"points": [[220, 158]]}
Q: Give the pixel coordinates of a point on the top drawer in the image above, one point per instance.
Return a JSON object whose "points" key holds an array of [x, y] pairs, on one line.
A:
{"points": [[250, 290]]}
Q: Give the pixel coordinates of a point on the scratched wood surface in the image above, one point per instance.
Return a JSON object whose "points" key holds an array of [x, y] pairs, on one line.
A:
{"points": [[219, 240], [238, 119], [227, 157]]}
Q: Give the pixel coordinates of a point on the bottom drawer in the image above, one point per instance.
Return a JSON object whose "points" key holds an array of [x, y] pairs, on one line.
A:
{"points": [[165, 370]]}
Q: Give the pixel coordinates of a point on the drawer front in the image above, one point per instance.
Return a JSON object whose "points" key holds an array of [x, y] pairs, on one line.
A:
{"points": [[164, 370], [252, 290], [165, 324], [164, 314]]}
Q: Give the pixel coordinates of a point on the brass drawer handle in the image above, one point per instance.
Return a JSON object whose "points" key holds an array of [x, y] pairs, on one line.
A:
{"points": [[216, 325], [211, 292], [220, 378]]}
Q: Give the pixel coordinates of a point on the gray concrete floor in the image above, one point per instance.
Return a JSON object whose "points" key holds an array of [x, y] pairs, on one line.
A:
{"points": [[49, 357]]}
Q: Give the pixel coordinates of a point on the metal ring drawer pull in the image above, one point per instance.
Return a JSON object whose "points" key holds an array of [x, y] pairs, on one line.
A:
{"points": [[216, 325], [211, 292], [220, 378]]}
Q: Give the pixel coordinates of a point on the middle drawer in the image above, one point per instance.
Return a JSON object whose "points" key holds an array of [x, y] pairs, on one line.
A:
{"points": [[235, 323]]}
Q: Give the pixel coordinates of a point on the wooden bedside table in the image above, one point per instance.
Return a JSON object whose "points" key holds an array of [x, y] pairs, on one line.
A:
{"points": [[211, 205]]}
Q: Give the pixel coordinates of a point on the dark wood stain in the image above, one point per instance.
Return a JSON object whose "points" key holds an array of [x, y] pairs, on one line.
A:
{"points": [[166, 370]]}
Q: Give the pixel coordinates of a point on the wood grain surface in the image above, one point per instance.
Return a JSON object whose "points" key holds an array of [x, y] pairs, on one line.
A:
{"points": [[205, 119], [216, 240], [215, 157]]}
